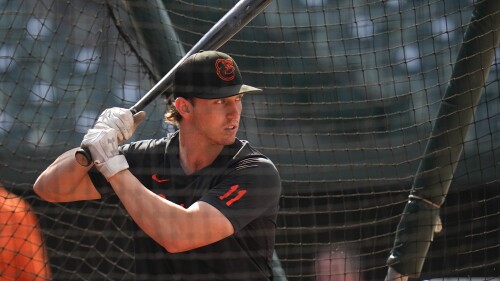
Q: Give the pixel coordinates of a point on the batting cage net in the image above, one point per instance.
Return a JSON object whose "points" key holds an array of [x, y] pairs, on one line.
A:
{"points": [[371, 111]]}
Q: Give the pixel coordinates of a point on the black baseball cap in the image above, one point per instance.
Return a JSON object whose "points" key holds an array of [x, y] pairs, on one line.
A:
{"points": [[209, 75]]}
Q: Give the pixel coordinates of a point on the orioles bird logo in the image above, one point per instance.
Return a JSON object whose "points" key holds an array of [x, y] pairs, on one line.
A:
{"points": [[225, 69]]}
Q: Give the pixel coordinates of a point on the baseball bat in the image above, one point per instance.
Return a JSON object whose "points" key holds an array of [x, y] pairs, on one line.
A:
{"points": [[232, 22]]}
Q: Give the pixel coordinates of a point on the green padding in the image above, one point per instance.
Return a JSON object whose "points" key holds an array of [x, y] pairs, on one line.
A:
{"points": [[413, 238], [442, 155], [157, 35]]}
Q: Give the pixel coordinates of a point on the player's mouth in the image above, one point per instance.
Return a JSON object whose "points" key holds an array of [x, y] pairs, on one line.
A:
{"points": [[231, 127]]}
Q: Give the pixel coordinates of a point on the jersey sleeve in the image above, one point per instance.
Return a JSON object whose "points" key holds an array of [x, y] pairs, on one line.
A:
{"points": [[249, 190], [100, 183]]}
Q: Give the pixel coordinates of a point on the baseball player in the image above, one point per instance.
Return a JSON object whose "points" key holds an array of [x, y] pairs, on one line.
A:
{"points": [[204, 202]]}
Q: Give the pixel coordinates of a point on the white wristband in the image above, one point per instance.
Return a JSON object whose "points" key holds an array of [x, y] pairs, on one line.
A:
{"points": [[112, 166]]}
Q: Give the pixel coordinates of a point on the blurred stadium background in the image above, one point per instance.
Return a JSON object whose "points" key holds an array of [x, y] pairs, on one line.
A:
{"points": [[352, 90]]}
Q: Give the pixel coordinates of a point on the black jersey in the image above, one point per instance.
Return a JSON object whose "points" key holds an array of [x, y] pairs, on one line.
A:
{"points": [[241, 183]]}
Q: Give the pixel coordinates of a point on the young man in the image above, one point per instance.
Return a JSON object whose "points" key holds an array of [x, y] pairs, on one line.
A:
{"points": [[205, 203]]}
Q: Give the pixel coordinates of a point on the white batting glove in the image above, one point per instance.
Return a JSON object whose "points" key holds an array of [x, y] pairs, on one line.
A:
{"points": [[103, 146], [117, 118]]}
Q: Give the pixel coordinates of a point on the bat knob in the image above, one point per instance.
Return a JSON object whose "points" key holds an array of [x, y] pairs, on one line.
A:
{"points": [[83, 157]]}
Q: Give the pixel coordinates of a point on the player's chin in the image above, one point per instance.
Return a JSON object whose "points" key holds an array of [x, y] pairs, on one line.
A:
{"points": [[228, 138]]}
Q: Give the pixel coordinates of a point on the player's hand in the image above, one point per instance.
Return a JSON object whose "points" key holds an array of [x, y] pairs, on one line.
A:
{"points": [[121, 120], [103, 146]]}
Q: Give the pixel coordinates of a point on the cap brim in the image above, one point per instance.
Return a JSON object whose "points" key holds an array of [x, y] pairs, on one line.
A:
{"points": [[229, 91]]}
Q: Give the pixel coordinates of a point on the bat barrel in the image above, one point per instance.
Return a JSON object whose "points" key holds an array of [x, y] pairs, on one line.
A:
{"points": [[230, 24]]}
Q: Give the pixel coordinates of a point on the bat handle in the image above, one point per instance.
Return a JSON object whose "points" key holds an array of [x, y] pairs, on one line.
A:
{"points": [[83, 157]]}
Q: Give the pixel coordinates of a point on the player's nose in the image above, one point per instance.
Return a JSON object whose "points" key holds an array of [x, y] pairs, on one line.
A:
{"points": [[233, 109]]}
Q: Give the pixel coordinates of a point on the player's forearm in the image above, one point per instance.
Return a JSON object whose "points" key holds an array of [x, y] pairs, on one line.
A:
{"points": [[172, 226], [65, 180], [157, 217]]}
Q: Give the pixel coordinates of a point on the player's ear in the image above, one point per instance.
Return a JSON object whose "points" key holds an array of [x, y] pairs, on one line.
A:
{"points": [[183, 106]]}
